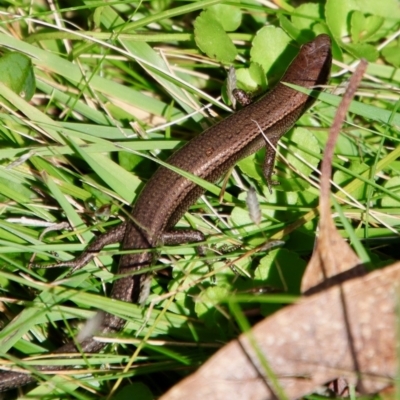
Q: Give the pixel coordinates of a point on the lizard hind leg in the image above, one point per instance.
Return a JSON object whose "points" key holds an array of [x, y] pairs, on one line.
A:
{"points": [[114, 235]]}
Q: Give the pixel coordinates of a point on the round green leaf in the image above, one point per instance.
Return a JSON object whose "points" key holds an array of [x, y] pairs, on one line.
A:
{"points": [[251, 79], [339, 12], [270, 45], [211, 39], [228, 16], [307, 15], [249, 166], [362, 27], [16, 72]]}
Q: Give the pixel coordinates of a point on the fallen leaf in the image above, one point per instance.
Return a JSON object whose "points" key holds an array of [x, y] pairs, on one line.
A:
{"points": [[348, 330]]}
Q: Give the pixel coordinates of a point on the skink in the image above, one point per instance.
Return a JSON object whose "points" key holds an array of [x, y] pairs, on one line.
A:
{"points": [[168, 195]]}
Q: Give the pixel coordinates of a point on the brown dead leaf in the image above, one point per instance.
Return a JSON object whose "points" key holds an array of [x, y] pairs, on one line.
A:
{"points": [[348, 330]]}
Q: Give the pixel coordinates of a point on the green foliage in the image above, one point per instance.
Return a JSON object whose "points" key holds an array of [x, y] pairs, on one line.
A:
{"points": [[119, 86], [211, 38], [16, 73]]}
